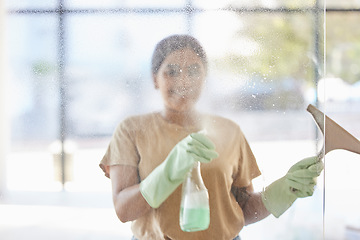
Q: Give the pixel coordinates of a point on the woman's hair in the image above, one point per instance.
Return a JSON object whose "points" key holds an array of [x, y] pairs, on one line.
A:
{"points": [[174, 43]]}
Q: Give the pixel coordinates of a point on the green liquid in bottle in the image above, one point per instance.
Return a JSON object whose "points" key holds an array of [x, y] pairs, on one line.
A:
{"points": [[194, 219]]}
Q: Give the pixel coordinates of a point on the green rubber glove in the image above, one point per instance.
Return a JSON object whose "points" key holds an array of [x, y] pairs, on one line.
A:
{"points": [[299, 182], [165, 178]]}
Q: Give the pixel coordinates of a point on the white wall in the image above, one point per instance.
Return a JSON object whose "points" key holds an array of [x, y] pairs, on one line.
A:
{"points": [[4, 116]]}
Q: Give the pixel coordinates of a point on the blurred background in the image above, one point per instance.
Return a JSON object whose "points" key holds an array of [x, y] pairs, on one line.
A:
{"points": [[70, 71]]}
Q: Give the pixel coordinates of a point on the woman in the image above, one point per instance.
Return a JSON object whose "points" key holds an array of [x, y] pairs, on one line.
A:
{"points": [[149, 156]]}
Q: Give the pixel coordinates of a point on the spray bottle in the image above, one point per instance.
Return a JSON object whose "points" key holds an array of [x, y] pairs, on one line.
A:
{"points": [[194, 211]]}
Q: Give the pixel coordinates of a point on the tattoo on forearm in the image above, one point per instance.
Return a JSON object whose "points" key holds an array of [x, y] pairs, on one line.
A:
{"points": [[241, 196]]}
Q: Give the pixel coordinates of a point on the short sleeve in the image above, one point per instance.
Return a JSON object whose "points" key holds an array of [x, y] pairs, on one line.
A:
{"points": [[248, 168], [122, 148]]}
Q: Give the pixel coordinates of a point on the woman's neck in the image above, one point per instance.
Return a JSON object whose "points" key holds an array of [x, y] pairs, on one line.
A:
{"points": [[182, 118]]}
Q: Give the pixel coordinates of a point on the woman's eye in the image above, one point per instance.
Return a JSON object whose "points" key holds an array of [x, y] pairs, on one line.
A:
{"points": [[173, 71], [194, 71]]}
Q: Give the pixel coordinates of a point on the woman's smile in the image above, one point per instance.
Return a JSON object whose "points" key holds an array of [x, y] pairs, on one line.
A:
{"points": [[183, 92]]}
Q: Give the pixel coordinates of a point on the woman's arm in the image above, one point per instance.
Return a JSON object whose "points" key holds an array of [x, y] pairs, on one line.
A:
{"points": [[252, 206], [254, 209], [128, 201]]}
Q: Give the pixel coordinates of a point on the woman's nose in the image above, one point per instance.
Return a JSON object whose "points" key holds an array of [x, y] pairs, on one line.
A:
{"points": [[183, 78]]}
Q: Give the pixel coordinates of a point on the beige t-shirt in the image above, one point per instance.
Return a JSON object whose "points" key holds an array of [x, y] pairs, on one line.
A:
{"points": [[145, 141]]}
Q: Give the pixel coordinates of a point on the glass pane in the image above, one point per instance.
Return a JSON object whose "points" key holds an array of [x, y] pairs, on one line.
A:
{"points": [[262, 77], [342, 102], [32, 4], [124, 4], [32, 50], [263, 73]]}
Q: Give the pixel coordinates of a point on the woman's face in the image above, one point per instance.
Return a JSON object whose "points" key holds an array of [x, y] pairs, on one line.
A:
{"points": [[180, 80]]}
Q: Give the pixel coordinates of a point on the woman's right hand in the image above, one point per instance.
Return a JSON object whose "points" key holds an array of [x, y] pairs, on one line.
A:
{"points": [[165, 178]]}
